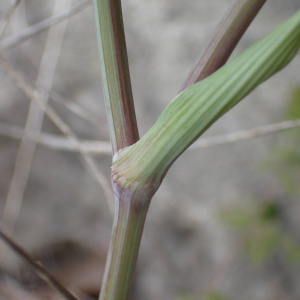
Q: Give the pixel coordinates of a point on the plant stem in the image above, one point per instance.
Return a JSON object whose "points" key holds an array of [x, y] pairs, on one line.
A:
{"points": [[130, 215], [228, 34], [137, 172], [195, 109], [130, 206], [115, 74]]}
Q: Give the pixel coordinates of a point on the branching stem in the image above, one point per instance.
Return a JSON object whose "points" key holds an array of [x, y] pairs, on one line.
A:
{"points": [[137, 172]]}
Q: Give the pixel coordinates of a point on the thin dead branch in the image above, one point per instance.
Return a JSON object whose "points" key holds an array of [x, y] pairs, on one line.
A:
{"points": [[74, 108], [60, 143], [56, 142], [34, 121], [7, 16], [244, 134], [37, 28], [63, 127], [38, 268]]}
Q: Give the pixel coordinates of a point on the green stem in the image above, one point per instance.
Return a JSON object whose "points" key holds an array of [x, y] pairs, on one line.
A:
{"points": [[228, 34], [115, 74], [131, 206], [130, 215], [138, 171]]}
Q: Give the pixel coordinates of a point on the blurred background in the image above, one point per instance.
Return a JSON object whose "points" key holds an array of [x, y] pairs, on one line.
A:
{"points": [[225, 223]]}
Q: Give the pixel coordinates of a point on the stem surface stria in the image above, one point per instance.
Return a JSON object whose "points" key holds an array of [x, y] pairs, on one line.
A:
{"points": [[131, 206], [115, 74], [130, 214], [227, 36]]}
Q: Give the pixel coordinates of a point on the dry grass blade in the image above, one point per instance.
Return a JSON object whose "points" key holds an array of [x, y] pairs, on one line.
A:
{"points": [[38, 268], [61, 143], [34, 29], [61, 125], [6, 18], [34, 121], [56, 142], [75, 108], [244, 134]]}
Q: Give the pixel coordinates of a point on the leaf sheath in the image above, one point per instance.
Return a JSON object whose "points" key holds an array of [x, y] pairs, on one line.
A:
{"points": [[199, 106]]}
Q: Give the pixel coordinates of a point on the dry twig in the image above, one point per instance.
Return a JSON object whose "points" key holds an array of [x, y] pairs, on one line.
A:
{"points": [[57, 142], [34, 121], [60, 143], [38, 268], [34, 29], [244, 134], [63, 127], [6, 18], [75, 108]]}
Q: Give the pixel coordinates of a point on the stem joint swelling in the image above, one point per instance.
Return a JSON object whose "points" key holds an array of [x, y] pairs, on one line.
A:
{"points": [[132, 200], [129, 185], [135, 193]]}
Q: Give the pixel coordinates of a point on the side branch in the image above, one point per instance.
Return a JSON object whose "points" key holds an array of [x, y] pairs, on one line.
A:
{"points": [[228, 34]]}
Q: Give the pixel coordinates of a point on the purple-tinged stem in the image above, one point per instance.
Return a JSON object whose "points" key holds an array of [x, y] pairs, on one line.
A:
{"points": [[115, 74], [228, 34], [130, 215]]}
